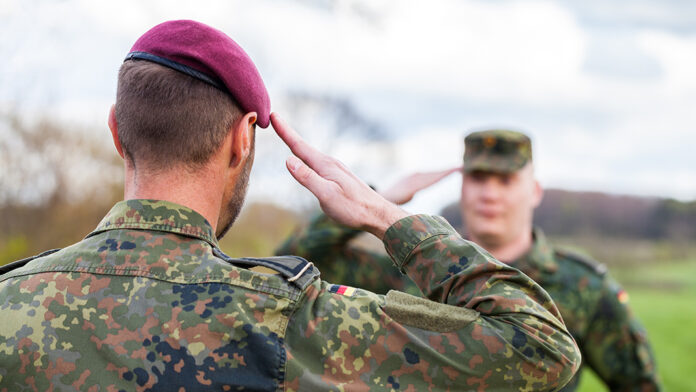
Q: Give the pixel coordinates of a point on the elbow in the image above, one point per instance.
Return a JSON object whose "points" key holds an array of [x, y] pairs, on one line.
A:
{"points": [[567, 359], [558, 361], [546, 354]]}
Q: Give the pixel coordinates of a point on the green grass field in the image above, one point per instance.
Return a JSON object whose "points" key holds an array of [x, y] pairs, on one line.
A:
{"points": [[663, 296]]}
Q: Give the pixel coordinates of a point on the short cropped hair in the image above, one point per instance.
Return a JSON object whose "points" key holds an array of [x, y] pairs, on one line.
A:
{"points": [[166, 118]]}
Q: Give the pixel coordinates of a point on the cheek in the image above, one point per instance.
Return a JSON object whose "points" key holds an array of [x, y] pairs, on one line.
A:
{"points": [[466, 197], [469, 190], [528, 199], [520, 205]]}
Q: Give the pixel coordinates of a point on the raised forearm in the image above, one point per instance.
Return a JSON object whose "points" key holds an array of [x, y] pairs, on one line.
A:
{"points": [[516, 313]]}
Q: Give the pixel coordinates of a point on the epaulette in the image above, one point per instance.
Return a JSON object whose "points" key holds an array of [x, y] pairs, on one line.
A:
{"points": [[294, 269], [21, 263], [592, 264]]}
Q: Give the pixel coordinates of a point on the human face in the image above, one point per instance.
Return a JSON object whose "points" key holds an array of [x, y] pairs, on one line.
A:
{"points": [[497, 208]]}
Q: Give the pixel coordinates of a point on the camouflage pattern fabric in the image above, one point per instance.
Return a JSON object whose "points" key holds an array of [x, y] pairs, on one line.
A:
{"points": [[147, 302], [596, 311], [594, 307], [328, 245], [496, 150]]}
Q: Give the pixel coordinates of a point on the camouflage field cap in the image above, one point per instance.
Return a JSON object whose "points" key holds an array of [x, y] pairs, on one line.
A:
{"points": [[496, 150]]}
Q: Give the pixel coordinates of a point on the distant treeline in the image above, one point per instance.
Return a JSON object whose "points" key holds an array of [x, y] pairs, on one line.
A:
{"points": [[570, 214]]}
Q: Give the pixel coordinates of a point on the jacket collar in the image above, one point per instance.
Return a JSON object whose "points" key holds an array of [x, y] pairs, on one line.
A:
{"points": [[159, 215]]}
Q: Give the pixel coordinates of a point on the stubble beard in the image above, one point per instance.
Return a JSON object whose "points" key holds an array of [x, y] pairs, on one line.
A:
{"points": [[229, 215]]}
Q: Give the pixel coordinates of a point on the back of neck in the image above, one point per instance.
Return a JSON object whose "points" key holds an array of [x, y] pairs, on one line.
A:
{"points": [[195, 191]]}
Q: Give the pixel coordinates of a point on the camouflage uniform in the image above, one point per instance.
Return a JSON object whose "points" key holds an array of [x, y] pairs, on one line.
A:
{"points": [[148, 302], [593, 305]]}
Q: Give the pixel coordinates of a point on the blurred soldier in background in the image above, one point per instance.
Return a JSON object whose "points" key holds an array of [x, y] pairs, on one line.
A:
{"points": [[498, 196], [148, 301]]}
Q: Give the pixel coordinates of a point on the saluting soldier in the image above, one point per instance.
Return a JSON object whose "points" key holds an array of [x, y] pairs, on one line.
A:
{"points": [[498, 196], [149, 302]]}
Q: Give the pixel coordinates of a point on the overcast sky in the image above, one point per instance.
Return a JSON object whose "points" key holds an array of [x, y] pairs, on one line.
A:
{"points": [[606, 90]]}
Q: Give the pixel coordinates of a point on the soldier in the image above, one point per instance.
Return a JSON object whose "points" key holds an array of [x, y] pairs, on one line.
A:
{"points": [[148, 301], [498, 196]]}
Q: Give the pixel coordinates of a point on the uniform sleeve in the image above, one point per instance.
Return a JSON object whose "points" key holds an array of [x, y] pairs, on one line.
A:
{"points": [[326, 244], [485, 326], [616, 345]]}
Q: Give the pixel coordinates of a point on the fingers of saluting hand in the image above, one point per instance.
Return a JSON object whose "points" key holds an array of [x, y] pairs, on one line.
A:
{"points": [[423, 180], [453, 169], [438, 175], [404, 190], [342, 195], [306, 176], [316, 171], [308, 154]]}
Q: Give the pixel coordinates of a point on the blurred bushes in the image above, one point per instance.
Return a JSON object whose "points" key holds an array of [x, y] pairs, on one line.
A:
{"points": [[56, 183], [13, 248], [615, 229], [260, 228], [582, 213]]}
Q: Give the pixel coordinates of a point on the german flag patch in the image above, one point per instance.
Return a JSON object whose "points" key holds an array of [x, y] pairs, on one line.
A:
{"points": [[622, 296], [342, 290]]}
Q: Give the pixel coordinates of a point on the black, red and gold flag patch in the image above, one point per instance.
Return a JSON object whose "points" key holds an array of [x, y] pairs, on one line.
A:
{"points": [[341, 289], [622, 296]]}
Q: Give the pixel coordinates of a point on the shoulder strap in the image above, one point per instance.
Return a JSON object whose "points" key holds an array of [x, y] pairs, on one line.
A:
{"points": [[21, 263], [592, 264], [294, 269]]}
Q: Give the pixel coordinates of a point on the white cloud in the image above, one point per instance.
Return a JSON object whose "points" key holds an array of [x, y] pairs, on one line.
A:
{"points": [[441, 47], [426, 70]]}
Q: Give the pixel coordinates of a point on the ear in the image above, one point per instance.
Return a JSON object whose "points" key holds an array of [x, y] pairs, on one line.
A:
{"points": [[113, 126], [538, 193], [242, 135]]}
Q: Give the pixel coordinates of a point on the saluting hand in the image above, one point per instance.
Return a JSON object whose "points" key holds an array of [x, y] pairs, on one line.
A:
{"points": [[404, 190], [342, 195]]}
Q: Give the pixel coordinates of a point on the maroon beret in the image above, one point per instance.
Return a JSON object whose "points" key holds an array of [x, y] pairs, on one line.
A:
{"points": [[210, 55]]}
